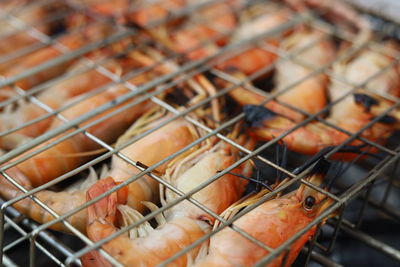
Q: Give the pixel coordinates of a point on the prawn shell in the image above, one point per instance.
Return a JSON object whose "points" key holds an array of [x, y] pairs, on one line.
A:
{"points": [[272, 223]]}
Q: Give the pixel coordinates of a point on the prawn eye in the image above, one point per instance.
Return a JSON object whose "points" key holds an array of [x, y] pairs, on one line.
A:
{"points": [[309, 203]]}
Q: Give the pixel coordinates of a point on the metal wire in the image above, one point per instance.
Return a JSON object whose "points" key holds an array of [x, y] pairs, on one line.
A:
{"points": [[143, 93]]}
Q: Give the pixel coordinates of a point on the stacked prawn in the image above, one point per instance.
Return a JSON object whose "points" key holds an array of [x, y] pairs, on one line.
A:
{"points": [[62, 93], [183, 223], [196, 45], [197, 39], [348, 114], [287, 71], [81, 32], [31, 13], [170, 138], [72, 152], [191, 38], [68, 154], [142, 13], [272, 223]]}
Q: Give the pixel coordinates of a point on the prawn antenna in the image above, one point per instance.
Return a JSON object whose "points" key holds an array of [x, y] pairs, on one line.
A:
{"points": [[145, 167], [281, 160], [338, 167], [321, 167], [326, 150], [342, 168], [257, 181]]}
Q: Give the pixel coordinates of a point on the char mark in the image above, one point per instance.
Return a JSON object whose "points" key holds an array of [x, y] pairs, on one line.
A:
{"points": [[365, 100], [387, 119], [254, 115]]}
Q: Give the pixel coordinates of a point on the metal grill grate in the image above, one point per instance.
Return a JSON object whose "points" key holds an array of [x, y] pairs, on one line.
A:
{"points": [[20, 233]]}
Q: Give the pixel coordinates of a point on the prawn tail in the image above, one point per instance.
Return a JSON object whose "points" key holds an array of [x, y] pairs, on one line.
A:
{"points": [[94, 259], [101, 217], [17, 176], [377, 106], [264, 123], [59, 202], [105, 209]]}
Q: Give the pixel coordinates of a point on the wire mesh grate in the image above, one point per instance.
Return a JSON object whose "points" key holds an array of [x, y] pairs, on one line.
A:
{"points": [[159, 70]]}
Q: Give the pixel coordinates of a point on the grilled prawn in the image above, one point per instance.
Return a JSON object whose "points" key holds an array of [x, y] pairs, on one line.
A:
{"points": [[59, 94], [149, 13], [340, 12], [142, 13], [72, 41], [71, 153], [348, 113], [143, 250], [288, 72], [191, 39], [271, 223], [30, 13], [183, 224], [149, 150], [255, 58]]}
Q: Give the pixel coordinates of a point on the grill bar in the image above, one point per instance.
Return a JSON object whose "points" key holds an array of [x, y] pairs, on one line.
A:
{"points": [[323, 260], [66, 57], [349, 229], [7, 262], [140, 89], [71, 55], [22, 232], [18, 219], [43, 235], [181, 74], [52, 112]]}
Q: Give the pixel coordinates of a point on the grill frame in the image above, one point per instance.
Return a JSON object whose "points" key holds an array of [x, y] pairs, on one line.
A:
{"points": [[183, 73]]}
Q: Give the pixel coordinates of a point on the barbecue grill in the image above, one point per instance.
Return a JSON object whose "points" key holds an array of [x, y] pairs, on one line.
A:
{"points": [[365, 191]]}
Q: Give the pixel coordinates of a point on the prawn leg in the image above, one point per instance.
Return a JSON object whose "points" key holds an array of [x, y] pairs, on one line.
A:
{"points": [[149, 150]]}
